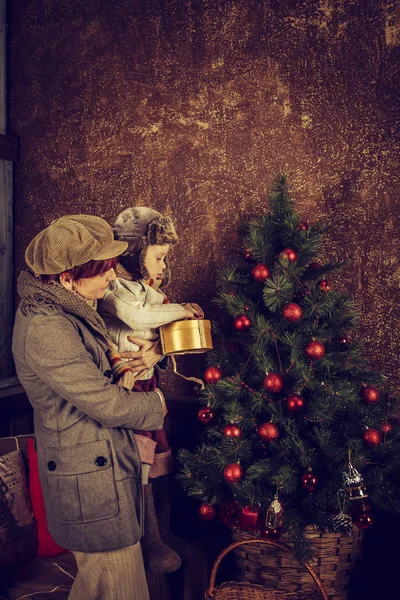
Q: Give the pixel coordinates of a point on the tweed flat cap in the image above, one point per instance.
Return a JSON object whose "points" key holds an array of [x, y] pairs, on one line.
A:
{"points": [[71, 241]]}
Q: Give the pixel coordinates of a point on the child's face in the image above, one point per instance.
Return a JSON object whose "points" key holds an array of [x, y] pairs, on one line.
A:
{"points": [[155, 260]]}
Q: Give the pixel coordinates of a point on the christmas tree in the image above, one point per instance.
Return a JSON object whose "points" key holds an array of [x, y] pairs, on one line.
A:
{"points": [[296, 425]]}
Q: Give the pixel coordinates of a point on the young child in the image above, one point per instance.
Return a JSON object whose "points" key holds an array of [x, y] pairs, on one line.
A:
{"points": [[135, 305]]}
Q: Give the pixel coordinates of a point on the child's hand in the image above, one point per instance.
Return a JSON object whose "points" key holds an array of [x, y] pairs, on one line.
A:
{"points": [[193, 311]]}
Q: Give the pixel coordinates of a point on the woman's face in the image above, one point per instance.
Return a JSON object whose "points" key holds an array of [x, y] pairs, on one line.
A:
{"points": [[92, 288], [155, 260]]}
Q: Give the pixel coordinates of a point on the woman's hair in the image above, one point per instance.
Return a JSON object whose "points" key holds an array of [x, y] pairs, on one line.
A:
{"points": [[85, 271]]}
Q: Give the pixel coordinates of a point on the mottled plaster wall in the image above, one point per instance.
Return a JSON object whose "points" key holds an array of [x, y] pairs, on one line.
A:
{"points": [[193, 107]]}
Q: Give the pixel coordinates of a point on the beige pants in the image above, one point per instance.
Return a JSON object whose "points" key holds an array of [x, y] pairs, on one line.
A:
{"points": [[114, 575]]}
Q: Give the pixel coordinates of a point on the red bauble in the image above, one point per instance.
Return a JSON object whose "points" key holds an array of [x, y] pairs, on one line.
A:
{"points": [[260, 273], [386, 427], [212, 375], [370, 394], [372, 437], [205, 415], [242, 323], [268, 432], [207, 512], [314, 266], [292, 312], [271, 534], [233, 347], [248, 255], [302, 226], [289, 253], [325, 285], [232, 431], [315, 350], [295, 403], [309, 481], [233, 473], [364, 519], [273, 383]]}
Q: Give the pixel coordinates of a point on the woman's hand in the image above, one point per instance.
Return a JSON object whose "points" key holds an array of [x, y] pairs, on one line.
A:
{"points": [[193, 311], [143, 359]]}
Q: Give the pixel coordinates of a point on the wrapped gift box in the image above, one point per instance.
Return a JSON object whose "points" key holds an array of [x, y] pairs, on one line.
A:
{"points": [[186, 337]]}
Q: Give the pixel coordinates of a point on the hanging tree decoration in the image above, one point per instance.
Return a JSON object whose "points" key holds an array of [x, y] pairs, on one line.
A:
{"points": [[372, 437], [242, 323], [309, 481], [232, 431], [260, 273], [295, 403], [248, 255], [370, 394], [207, 512], [212, 374], [325, 285], [292, 312], [233, 473], [268, 432], [354, 483], [205, 415], [290, 254], [273, 519], [342, 522], [273, 383], [315, 350]]}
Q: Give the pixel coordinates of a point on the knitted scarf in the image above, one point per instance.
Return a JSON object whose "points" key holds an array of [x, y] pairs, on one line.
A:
{"points": [[36, 296]]}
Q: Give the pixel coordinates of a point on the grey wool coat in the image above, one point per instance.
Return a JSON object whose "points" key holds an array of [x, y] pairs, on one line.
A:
{"points": [[88, 462]]}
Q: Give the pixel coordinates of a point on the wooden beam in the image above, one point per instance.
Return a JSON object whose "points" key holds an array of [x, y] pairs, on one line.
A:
{"points": [[6, 217], [8, 147]]}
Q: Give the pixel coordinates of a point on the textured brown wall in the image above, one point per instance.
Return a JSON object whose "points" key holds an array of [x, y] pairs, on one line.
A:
{"points": [[193, 107]]}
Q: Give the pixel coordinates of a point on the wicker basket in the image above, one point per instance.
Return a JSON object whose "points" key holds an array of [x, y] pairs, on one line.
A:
{"points": [[335, 556], [234, 590]]}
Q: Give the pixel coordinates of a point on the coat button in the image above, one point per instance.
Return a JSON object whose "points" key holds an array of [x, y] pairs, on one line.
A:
{"points": [[100, 461], [108, 373], [51, 465]]}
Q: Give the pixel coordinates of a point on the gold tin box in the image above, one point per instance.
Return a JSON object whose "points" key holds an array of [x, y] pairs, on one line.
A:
{"points": [[186, 337]]}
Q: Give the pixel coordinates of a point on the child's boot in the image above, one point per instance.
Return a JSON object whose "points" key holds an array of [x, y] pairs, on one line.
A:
{"points": [[157, 556]]}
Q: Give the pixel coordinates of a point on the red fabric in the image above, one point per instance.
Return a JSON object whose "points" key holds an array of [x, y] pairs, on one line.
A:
{"points": [[46, 545], [149, 385]]}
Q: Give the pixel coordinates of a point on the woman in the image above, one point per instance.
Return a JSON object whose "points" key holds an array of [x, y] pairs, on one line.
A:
{"points": [[88, 463]]}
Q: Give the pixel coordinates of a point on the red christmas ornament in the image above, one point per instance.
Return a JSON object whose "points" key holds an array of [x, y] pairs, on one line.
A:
{"points": [[234, 348], [268, 432], [289, 253], [309, 481], [273, 383], [315, 350], [207, 512], [325, 285], [233, 473], [242, 323], [232, 431], [295, 403], [292, 312], [364, 519], [372, 437], [302, 226], [314, 265], [271, 534], [370, 394], [212, 375], [260, 273], [250, 517], [205, 415], [386, 427], [248, 255]]}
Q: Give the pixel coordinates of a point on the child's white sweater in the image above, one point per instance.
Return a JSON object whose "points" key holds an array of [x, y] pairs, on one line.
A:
{"points": [[134, 308]]}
